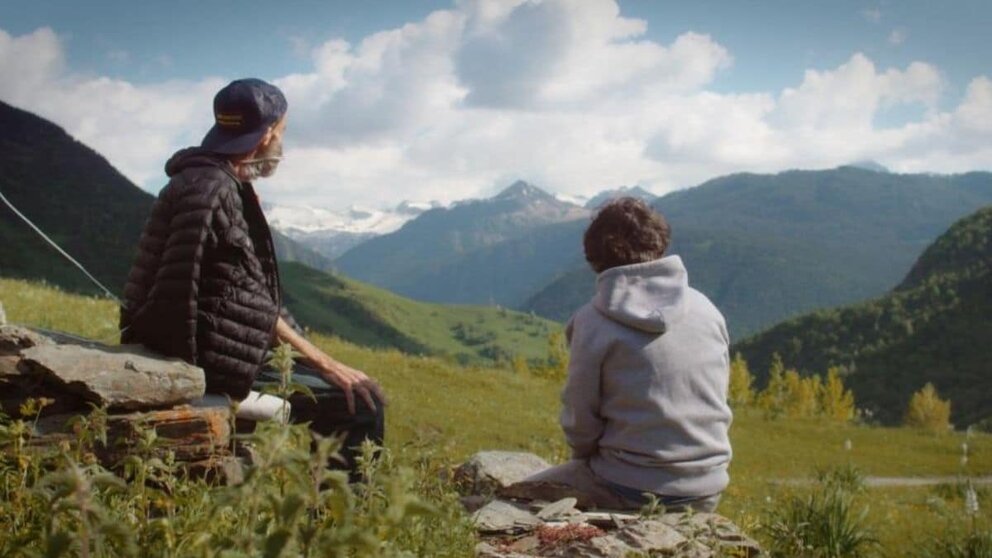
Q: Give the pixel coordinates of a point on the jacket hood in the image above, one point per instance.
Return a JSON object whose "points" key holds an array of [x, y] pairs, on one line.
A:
{"points": [[649, 296], [194, 157]]}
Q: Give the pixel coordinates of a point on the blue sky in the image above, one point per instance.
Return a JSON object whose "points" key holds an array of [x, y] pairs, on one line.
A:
{"points": [[423, 100]]}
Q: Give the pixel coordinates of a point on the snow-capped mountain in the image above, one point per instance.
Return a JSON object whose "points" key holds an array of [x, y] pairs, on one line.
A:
{"points": [[334, 232]]}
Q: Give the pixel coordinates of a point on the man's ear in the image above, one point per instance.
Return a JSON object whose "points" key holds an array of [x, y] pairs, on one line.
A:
{"points": [[267, 138]]}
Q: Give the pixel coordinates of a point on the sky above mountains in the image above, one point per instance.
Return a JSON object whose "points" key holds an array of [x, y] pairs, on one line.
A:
{"points": [[393, 100]]}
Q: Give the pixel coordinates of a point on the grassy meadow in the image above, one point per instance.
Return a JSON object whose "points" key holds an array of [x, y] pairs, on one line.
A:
{"points": [[374, 317], [448, 412]]}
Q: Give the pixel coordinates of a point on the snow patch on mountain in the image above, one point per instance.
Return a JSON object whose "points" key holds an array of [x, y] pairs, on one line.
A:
{"points": [[356, 220]]}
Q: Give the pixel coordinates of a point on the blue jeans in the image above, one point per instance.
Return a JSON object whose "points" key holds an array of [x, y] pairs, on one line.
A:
{"points": [[671, 503]]}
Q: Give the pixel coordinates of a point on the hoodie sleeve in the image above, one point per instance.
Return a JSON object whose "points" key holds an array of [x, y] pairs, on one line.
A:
{"points": [[580, 414]]}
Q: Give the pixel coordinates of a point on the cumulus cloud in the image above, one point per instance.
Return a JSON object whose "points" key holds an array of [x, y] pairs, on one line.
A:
{"points": [[569, 95], [133, 126]]}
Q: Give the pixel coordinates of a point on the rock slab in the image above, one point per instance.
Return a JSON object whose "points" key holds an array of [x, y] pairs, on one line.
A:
{"points": [[121, 378], [503, 517], [508, 528], [192, 434], [489, 471]]}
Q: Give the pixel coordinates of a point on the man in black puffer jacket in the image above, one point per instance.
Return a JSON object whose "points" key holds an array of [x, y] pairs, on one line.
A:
{"points": [[205, 284]]}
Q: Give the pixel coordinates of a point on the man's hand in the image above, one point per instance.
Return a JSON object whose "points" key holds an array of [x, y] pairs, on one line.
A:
{"points": [[350, 381], [345, 377]]}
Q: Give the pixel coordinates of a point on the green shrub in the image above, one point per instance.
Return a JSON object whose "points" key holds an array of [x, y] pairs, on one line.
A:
{"points": [[825, 523]]}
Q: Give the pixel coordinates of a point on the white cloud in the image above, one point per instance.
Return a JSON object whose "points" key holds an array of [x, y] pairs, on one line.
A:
{"points": [[569, 95], [897, 37], [873, 15]]}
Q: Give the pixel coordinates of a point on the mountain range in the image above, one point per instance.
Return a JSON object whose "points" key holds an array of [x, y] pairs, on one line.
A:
{"points": [[933, 326], [763, 247], [441, 255]]}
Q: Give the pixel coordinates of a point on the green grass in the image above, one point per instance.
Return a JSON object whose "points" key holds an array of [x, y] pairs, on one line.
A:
{"points": [[451, 412], [375, 317]]}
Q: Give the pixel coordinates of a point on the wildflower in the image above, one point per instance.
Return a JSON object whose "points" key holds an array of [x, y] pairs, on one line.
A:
{"points": [[847, 445], [971, 501]]}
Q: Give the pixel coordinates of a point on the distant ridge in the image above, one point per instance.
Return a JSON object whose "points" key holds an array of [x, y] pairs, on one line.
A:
{"points": [[767, 247], [623, 191], [438, 256], [934, 327]]}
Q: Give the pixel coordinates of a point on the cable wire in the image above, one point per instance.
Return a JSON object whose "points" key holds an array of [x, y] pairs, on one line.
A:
{"points": [[59, 248]]}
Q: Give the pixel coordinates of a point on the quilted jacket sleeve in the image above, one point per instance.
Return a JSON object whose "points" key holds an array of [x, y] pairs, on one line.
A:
{"points": [[162, 288]]}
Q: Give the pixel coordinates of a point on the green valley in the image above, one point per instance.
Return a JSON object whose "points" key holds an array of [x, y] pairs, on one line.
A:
{"points": [[375, 317]]}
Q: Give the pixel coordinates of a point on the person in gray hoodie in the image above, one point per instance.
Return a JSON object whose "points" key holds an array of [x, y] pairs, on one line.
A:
{"points": [[644, 408]]}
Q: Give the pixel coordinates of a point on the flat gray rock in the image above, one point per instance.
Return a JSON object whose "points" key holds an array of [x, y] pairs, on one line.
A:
{"points": [[14, 339], [556, 510], [126, 377], [509, 531], [490, 471], [502, 517], [650, 535]]}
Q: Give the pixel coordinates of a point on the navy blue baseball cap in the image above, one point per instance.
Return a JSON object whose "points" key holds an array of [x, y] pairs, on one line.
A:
{"points": [[243, 111]]}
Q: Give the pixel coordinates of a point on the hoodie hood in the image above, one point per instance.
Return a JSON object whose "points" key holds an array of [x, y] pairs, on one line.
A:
{"points": [[649, 296], [195, 157]]}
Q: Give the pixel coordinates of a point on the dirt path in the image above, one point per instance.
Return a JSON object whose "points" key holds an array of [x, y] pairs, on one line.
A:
{"points": [[885, 482], [895, 482]]}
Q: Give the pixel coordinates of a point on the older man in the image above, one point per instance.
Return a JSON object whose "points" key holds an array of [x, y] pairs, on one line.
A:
{"points": [[205, 284]]}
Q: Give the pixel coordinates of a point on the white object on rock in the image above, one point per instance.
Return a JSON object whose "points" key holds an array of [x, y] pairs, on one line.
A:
{"points": [[258, 407]]}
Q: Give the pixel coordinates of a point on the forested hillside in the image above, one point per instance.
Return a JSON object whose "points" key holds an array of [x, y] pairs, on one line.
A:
{"points": [[934, 327]]}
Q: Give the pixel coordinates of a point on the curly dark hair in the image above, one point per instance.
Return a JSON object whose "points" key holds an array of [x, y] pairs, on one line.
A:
{"points": [[625, 231]]}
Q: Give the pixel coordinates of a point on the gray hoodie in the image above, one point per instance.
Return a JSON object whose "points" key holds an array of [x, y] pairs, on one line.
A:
{"points": [[646, 395]]}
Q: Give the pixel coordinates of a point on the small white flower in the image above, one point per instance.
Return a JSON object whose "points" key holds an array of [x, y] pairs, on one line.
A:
{"points": [[847, 445], [964, 448], [971, 501]]}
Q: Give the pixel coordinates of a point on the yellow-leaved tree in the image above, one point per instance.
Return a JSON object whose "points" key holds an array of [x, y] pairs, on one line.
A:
{"points": [[801, 395], [740, 393], [772, 399], [836, 402], [928, 411]]}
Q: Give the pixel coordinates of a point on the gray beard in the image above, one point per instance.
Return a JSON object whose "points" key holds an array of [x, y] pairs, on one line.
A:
{"points": [[259, 168], [263, 165]]}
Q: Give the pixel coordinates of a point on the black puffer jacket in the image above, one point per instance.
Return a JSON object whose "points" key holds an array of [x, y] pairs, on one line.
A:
{"points": [[205, 286]]}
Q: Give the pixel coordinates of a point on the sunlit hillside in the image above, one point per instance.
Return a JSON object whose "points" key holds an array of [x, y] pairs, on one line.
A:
{"points": [[445, 411]]}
